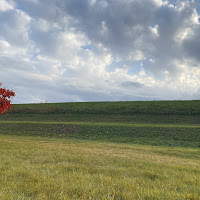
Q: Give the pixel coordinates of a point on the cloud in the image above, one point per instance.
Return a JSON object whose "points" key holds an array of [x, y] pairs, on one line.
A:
{"points": [[14, 27], [117, 25], [101, 50], [5, 6], [132, 84]]}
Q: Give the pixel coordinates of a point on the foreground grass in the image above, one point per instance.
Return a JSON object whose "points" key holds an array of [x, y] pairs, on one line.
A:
{"points": [[42, 168]]}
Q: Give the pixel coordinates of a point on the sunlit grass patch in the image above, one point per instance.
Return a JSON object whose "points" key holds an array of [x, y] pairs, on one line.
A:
{"points": [[56, 169]]}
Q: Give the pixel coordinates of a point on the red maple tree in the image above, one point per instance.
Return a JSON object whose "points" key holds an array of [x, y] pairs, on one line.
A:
{"points": [[5, 99]]}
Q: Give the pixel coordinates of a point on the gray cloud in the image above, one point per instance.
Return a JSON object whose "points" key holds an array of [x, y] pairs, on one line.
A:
{"points": [[192, 46], [132, 84], [118, 25]]}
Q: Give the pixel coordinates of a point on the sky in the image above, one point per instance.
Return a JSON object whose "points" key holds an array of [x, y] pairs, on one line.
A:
{"points": [[100, 50]]}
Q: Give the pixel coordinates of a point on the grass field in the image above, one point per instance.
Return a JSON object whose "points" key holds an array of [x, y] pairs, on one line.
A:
{"points": [[118, 150]]}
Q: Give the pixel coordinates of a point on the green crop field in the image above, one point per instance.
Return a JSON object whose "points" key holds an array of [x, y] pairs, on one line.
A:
{"points": [[101, 150]]}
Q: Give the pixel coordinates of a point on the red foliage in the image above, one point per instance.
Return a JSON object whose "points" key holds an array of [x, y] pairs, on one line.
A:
{"points": [[5, 102]]}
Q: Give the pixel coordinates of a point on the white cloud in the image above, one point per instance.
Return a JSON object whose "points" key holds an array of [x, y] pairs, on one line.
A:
{"points": [[7, 50], [5, 6], [161, 2], [154, 30]]}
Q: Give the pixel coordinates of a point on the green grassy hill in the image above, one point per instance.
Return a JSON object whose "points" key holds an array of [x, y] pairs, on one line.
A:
{"points": [[173, 112], [165, 123]]}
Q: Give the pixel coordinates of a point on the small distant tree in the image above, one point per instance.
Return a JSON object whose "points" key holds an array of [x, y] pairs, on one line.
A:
{"points": [[5, 99]]}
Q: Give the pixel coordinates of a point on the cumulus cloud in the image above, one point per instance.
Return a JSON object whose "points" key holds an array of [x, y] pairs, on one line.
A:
{"points": [[105, 50]]}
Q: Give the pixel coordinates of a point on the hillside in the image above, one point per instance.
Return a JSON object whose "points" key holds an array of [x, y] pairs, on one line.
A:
{"points": [[158, 123], [172, 112]]}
